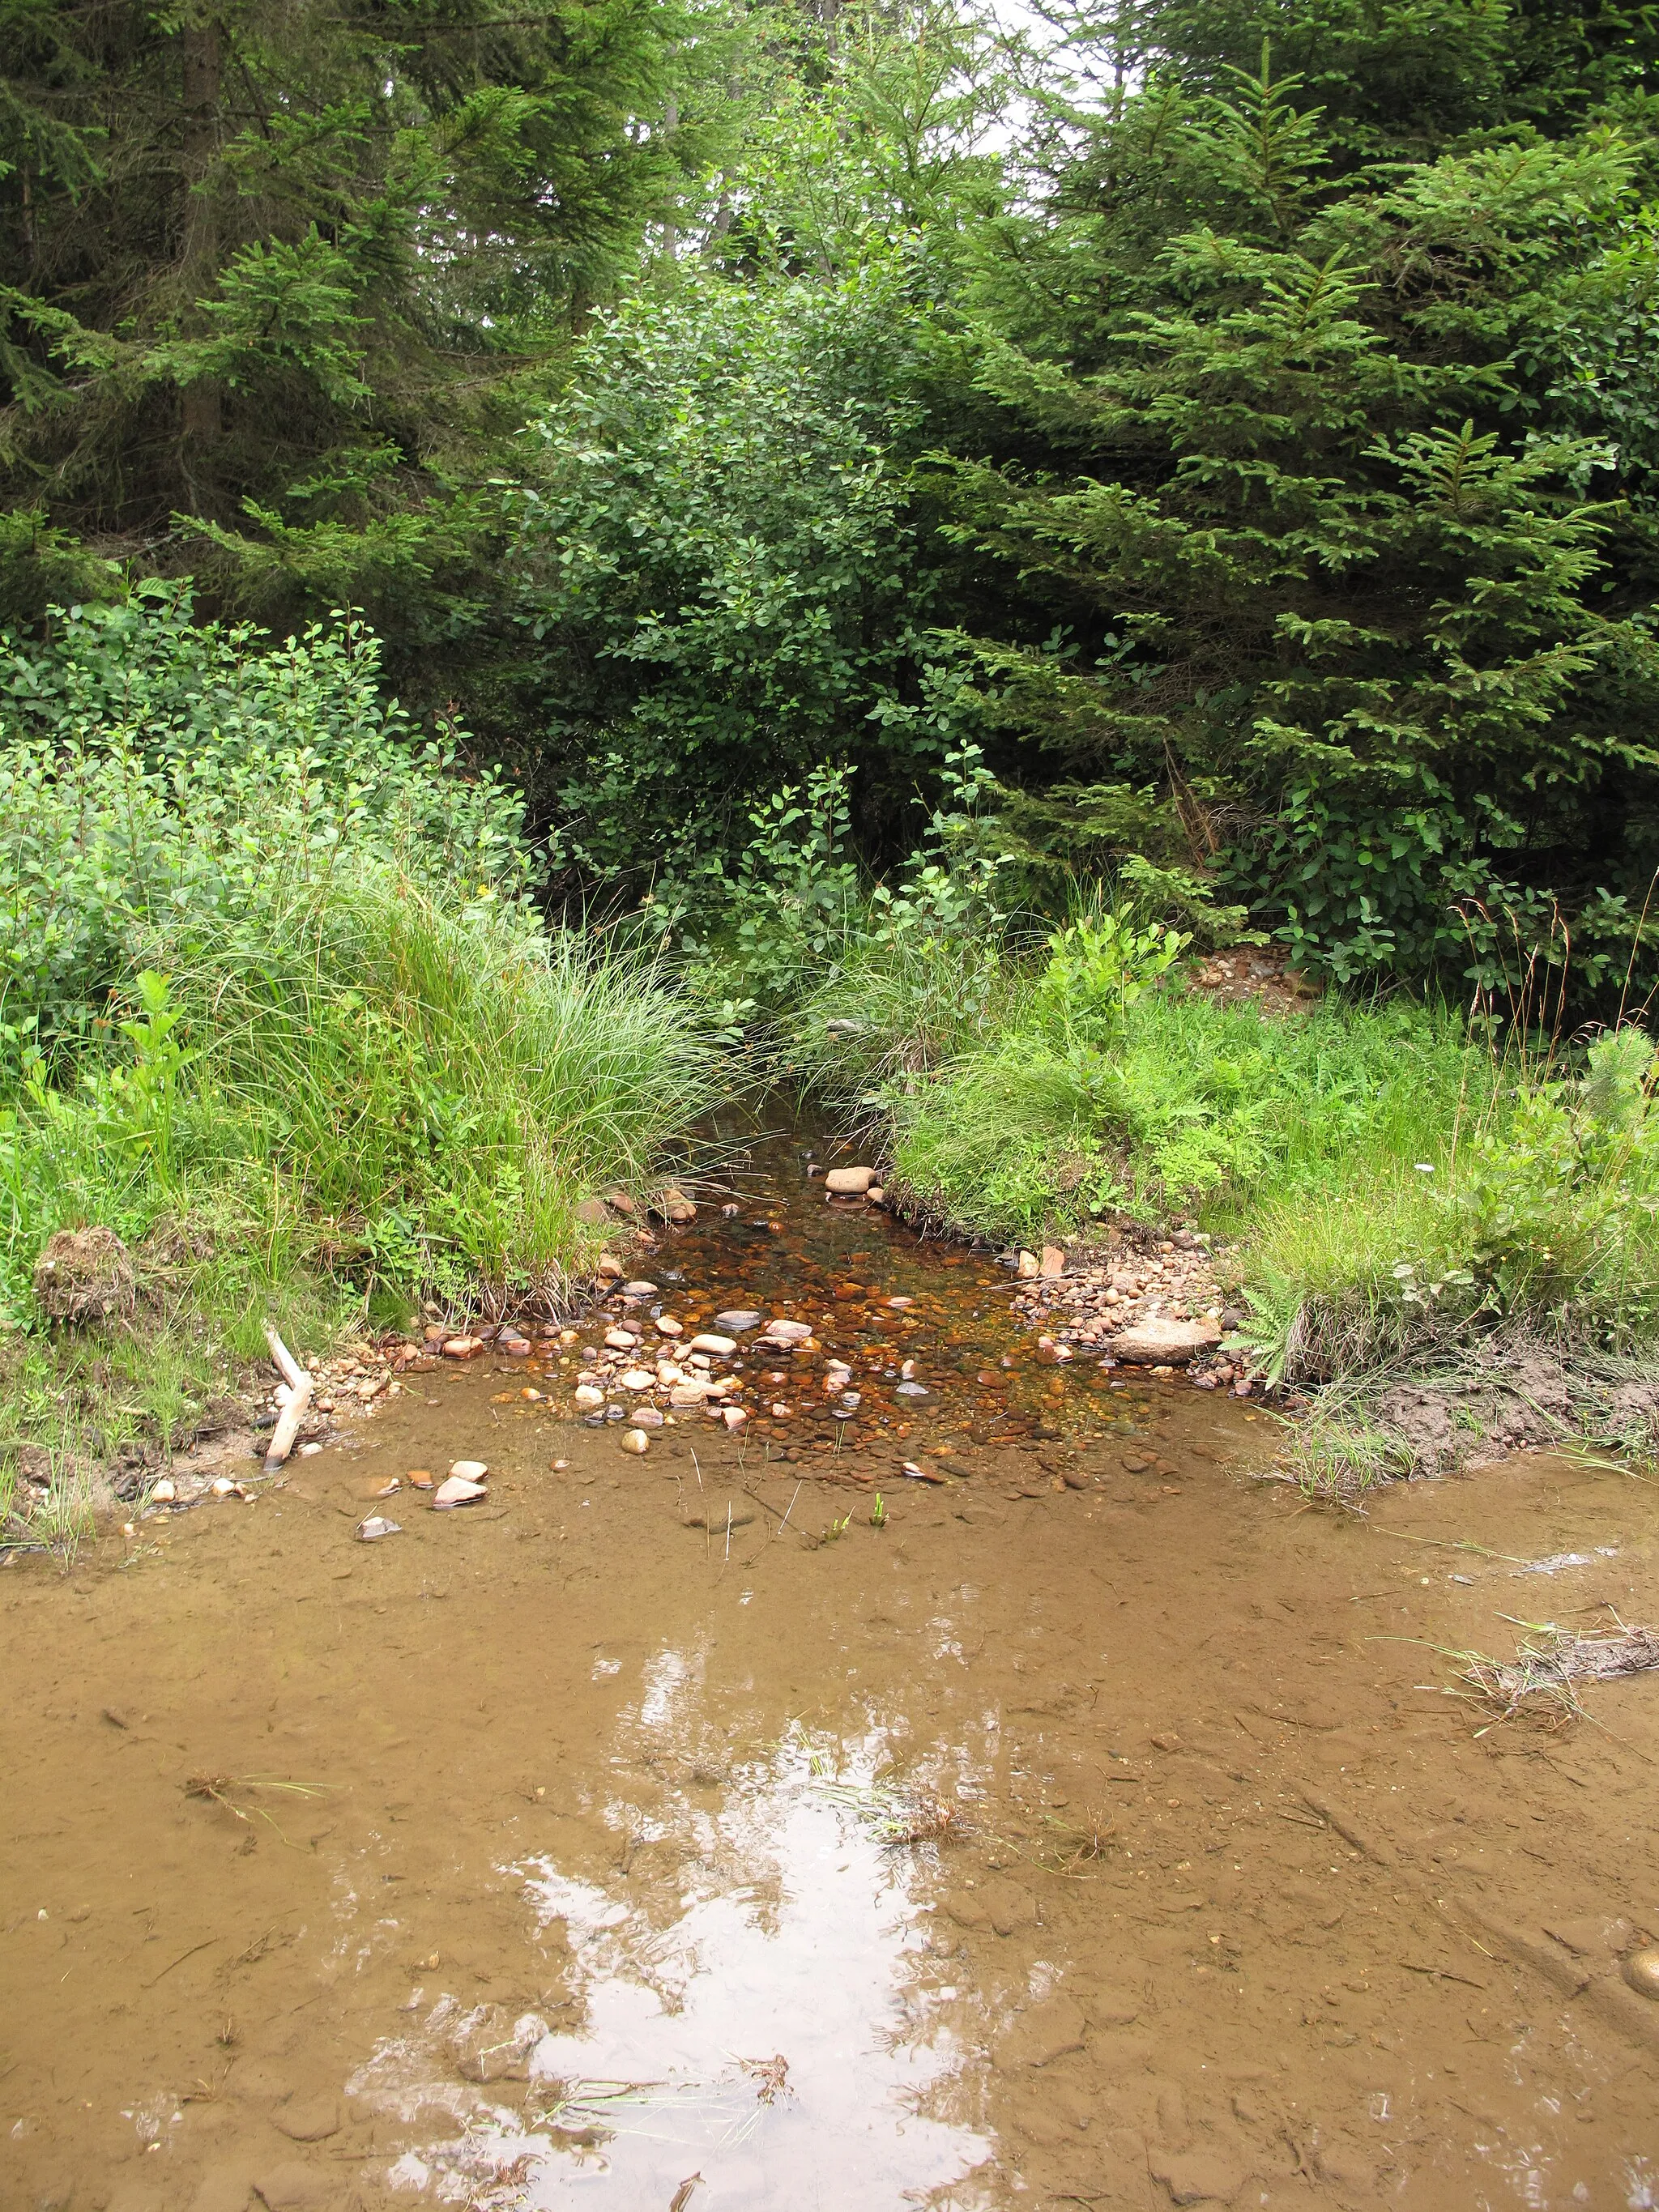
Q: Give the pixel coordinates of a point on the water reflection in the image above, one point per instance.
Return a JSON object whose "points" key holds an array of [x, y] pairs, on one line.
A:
{"points": [[747, 1997]]}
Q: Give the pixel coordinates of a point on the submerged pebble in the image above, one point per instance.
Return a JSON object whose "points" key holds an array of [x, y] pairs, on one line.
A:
{"points": [[739, 1319], [376, 1526], [636, 1442], [1642, 1971]]}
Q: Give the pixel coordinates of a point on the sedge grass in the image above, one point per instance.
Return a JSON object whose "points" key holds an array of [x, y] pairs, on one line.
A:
{"points": [[446, 1089], [381, 1098]]}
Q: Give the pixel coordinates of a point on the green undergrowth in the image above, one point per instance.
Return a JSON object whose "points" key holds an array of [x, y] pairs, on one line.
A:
{"points": [[278, 1012], [1398, 1189], [370, 1102], [82, 1407], [1025, 1095]]}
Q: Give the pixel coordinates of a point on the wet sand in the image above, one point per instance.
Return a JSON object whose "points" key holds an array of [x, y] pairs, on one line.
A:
{"points": [[546, 1852]]}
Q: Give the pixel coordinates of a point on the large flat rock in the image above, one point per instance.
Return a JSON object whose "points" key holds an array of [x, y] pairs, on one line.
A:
{"points": [[1164, 1343]]}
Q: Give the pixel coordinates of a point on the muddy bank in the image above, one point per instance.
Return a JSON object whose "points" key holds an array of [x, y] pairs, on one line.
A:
{"points": [[1084, 1833]]}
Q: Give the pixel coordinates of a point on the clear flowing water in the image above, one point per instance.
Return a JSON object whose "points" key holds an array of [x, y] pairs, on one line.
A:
{"points": [[661, 1833]]}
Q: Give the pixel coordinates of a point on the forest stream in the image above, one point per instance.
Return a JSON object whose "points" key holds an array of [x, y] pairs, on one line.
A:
{"points": [[660, 1833]]}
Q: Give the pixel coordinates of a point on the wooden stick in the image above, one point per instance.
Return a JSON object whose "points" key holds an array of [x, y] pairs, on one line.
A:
{"points": [[288, 1427], [301, 1386], [293, 1373]]}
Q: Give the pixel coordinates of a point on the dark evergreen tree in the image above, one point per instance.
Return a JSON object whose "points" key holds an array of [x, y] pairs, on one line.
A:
{"points": [[268, 273], [1322, 503]]}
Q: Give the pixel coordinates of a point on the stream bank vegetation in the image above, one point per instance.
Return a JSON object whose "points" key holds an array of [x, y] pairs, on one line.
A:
{"points": [[279, 1018], [283, 1019], [1440, 1223]]}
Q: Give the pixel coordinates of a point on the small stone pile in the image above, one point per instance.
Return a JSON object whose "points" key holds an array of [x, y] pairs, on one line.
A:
{"points": [[646, 1370], [670, 1204], [366, 1373], [1260, 976], [641, 1369], [1154, 1305], [853, 1182]]}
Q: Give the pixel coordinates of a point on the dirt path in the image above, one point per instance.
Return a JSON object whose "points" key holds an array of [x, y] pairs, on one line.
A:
{"points": [[534, 1837]]}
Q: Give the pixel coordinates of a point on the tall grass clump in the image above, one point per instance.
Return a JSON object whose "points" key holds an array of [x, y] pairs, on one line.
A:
{"points": [[275, 1008], [1034, 1092], [895, 1009], [1540, 1205], [441, 1087]]}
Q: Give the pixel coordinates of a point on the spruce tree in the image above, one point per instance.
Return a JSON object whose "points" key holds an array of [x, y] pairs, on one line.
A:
{"points": [[1327, 482], [267, 273]]}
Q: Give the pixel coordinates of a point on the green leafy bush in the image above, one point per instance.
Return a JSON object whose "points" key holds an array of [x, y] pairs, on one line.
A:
{"points": [[278, 1011], [717, 558], [160, 778], [785, 909]]}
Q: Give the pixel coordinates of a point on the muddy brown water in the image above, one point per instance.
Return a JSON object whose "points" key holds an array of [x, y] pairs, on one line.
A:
{"points": [[550, 1857]]}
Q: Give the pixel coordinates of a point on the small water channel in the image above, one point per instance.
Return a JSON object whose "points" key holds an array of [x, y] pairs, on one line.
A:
{"points": [[1090, 1827]]}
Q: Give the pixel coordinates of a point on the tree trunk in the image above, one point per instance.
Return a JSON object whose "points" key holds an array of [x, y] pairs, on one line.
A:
{"points": [[200, 400]]}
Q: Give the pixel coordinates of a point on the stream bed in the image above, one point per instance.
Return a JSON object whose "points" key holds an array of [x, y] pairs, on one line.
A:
{"points": [[661, 1834]]}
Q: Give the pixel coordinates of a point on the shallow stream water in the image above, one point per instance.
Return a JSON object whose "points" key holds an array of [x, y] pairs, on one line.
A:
{"points": [[660, 1833]]}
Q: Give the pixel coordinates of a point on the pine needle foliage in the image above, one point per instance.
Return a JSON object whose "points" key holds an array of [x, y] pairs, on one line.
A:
{"points": [[268, 276], [1323, 497]]}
